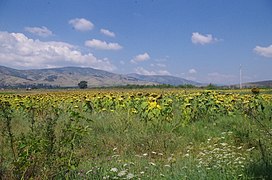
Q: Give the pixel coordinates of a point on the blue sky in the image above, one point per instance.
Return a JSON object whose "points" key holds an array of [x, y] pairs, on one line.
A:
{"points": [[204, 41]]}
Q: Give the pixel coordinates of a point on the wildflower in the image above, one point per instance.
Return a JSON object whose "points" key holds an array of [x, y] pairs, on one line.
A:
{"points": [[106, 177], [130, 176], [114, 170], [122, 173], [187, 155]]}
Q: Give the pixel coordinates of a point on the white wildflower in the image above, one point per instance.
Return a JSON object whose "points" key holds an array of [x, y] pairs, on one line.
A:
{"points": [[106, 177], [130, 176], [114, 169], [122, 173]]}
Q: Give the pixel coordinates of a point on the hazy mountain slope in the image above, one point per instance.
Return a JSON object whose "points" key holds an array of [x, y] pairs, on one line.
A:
{"points": [[163, 79], [267, 83], [63, 77], [71, 76]]}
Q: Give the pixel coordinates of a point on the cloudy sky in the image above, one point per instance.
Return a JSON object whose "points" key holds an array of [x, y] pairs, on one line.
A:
{"points": [[204, 41]]}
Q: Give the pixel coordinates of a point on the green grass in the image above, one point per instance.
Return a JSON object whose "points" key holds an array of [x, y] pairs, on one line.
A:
{"points": [[120, 146], [142, 150]]}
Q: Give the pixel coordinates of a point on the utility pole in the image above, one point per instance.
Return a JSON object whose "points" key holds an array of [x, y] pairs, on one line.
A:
{"points": [[240, 76]]}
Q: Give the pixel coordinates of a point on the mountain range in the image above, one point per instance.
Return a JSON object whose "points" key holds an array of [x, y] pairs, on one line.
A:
{"points": [[71, 76], [267, 84]]}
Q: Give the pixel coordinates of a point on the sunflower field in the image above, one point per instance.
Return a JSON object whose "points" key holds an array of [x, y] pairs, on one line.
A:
{"points": [[136, 134]]}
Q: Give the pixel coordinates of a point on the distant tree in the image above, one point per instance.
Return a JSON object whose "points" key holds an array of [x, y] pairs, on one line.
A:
{"points": [[82, 84], [211, 87]]}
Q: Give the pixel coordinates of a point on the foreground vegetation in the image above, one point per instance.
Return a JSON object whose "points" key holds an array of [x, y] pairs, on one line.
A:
{"points": [[136, 134]]}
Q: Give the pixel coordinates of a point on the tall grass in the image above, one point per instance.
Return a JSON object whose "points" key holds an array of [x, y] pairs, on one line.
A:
{"points": [[116, 148]]}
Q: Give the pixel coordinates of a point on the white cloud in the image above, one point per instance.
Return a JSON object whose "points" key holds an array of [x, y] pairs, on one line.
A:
{"points": [[141, 57], [81, 24], [264, 51], [158, 65], [98, 44], [19, 51], [143, 71], [107, 32], [163, 72], [164, 59], [198, 38], [40, 31], [192, 71]]}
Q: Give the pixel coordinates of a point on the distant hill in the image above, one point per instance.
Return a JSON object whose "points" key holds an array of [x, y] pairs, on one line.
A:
{"points": [[71, 76], [267, 83], [62, 77], [164, 79]]}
